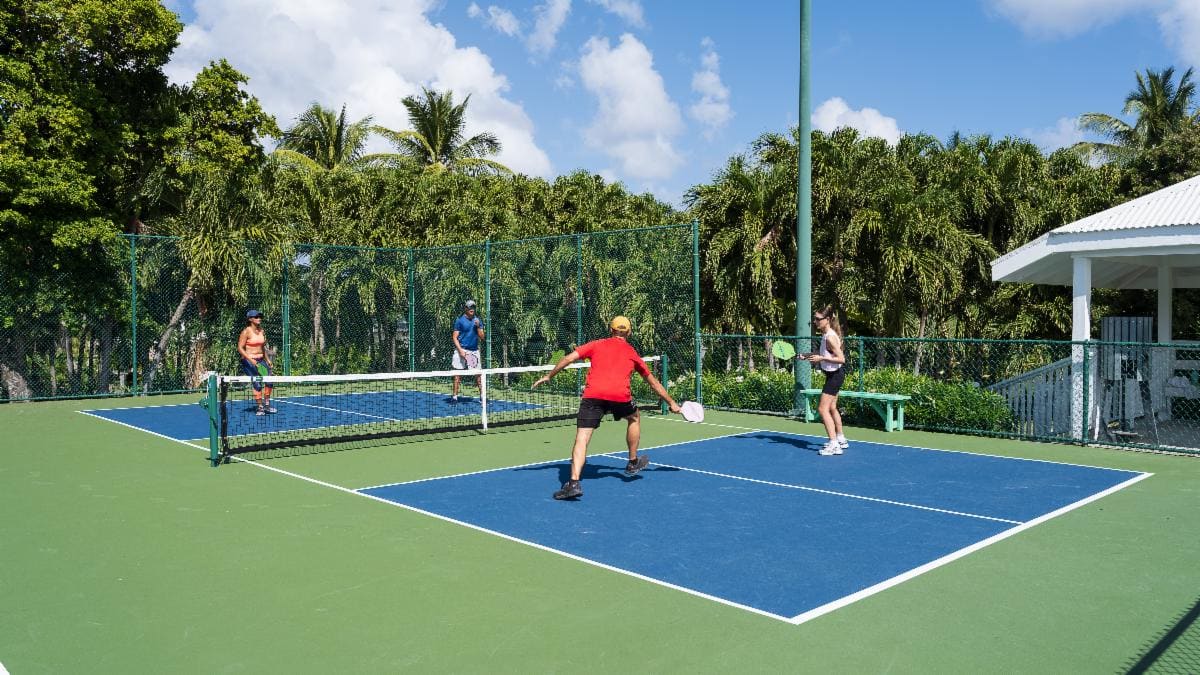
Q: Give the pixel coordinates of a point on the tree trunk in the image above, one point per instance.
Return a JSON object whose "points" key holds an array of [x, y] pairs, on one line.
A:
{"points": [[158, 351], [199, 359], [14, 382], [68, 346], [317, 341], [921, 340], [106, 350]]}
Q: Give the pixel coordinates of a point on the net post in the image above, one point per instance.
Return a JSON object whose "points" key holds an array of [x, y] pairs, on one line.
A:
{"points": [[483, 399], [212, 403]]}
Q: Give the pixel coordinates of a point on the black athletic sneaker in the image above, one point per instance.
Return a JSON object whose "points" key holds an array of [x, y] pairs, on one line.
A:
{"points": [[570, 490], [636, 465]]}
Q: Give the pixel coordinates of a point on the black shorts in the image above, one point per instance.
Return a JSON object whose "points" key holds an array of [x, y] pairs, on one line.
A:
{"points": [[592, 410], [833, 381]]}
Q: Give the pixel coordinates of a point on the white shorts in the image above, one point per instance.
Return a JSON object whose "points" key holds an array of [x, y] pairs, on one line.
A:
{"points": [[456, 361]]}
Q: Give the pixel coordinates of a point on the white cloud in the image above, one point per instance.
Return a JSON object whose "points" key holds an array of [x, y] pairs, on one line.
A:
{"points": [[1181, 26], [1052, 18], [712, 111], [1179, 20], [835, 113], [637, 121], [1064, 133], [550, 17], [498, 18], [629, 10], [365, 54]]}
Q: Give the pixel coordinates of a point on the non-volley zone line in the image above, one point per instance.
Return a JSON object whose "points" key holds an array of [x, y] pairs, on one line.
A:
{"points": [[834, 493]]}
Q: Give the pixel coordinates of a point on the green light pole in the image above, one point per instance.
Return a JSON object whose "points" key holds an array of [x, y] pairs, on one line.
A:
{"points": [[804, 206]]}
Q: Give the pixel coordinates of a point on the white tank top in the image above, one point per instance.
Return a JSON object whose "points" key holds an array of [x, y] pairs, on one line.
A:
{"points": [[826, 365]]}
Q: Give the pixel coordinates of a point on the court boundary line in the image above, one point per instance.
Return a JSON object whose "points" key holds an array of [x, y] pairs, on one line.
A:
{"points": [[834, 493], [796, 620], [915, 447], [960, 553]]}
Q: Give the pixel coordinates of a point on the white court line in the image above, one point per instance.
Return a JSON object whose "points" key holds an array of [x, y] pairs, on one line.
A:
{"points": [[90, 413], [946, 559], [832, 492], [2, 670], [478, 529], [795, 620]]}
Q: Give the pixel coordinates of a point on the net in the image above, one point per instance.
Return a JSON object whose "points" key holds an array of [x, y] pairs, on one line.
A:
{"points": [[320, 410]]}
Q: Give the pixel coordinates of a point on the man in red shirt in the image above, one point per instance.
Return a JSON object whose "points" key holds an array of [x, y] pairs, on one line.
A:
{"points": [[614, 360]]}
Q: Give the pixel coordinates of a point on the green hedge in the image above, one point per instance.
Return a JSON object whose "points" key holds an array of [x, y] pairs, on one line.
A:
{"points": [[935, 404]]}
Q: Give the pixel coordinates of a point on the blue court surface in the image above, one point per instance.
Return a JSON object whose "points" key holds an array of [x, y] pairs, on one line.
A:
{"points": [[759, 520], [189, 421]]}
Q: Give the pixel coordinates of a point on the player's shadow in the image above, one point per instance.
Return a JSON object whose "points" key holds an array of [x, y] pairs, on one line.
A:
{"points": [[798, 442], [592, 471]]}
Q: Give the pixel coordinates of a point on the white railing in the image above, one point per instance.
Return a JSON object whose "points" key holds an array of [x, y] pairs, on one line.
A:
{"points": [[1040, 399]]}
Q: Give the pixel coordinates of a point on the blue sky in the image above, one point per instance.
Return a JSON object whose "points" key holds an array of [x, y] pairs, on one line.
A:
{"points": [[659, 94]]}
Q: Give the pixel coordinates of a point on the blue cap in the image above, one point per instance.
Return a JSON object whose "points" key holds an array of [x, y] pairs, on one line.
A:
{"points": [[253, 313]]}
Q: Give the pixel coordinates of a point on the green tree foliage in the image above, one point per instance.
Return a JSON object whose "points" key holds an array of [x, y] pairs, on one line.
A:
{"points": [[81, 126], [437, 140], [1160, 107]]}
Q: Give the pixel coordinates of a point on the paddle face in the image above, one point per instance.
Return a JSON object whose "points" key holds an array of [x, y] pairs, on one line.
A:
{"points": [[783, 350], [262, 369], [472, 361], [692, 411]]}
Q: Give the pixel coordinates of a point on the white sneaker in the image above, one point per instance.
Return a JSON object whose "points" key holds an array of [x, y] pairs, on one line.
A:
{"points": [[830, 448], [842, 443]]}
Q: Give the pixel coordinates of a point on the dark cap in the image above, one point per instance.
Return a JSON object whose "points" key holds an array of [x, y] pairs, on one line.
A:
{"points": [[254, 313]]}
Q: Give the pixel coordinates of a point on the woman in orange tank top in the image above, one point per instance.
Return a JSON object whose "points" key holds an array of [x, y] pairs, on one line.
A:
{"points": [[252, 345]]}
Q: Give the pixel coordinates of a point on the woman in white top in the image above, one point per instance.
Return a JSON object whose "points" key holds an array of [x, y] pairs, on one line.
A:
{"points": [[832, 363]]}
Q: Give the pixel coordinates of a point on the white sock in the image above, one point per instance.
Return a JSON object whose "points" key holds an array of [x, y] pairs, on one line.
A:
{"points": [[841, 437]]}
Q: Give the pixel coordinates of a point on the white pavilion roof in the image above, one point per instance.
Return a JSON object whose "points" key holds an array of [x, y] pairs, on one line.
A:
{"points": [[1128, 243]]}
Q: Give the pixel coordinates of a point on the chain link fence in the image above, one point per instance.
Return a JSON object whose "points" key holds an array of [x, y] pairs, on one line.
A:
{"points": [[1135, 395], [139, 320]]}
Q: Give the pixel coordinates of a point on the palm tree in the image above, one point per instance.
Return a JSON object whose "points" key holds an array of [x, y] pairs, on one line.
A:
{"points": [[1160, 105], [436, 140], [324, 139]]}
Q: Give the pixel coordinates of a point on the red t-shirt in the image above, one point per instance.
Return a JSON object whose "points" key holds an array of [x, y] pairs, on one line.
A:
{"points": [[613, 361]]}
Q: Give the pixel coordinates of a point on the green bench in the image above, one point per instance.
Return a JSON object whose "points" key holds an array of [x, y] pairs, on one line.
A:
{"points": [[889, 406]]}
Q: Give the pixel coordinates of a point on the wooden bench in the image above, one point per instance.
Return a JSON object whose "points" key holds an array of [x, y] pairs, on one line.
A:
{"points": [[889, 406]]}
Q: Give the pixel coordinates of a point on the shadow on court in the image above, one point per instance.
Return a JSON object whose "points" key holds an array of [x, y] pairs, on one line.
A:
{"points": [[794, 441], [592, 471], [1175, 650]]}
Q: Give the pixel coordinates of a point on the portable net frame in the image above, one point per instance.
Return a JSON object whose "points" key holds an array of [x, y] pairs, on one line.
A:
{"points": [[325, 410]]}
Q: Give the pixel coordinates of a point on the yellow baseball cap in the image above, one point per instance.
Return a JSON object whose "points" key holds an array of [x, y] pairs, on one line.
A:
{"points": [[620, 324]]}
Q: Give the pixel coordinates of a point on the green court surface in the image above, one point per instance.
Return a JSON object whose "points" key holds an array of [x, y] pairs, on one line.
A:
{"points": [[124, 552]]}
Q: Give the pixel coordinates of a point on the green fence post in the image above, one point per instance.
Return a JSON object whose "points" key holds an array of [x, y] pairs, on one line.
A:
{"points": [[412, 308], [211, 402], [487, 301], [287, 320], [666, 375], [133, 320], [578, 307], [696, 307]]}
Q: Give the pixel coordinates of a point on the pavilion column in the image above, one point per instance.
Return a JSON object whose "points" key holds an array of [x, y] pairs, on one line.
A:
{"points": [[1081, 331], [1162, 359]]}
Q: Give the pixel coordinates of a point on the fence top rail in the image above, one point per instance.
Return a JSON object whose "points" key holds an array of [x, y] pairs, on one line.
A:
{"points": [[419, 249], [1178, 344], [870, 338]]}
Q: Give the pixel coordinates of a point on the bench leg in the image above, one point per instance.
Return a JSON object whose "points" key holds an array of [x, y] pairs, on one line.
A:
{"points": [[900, 416], [809, 414]]}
